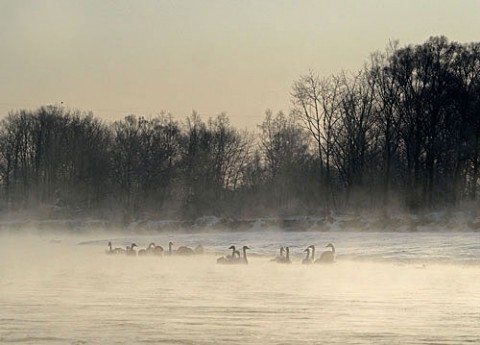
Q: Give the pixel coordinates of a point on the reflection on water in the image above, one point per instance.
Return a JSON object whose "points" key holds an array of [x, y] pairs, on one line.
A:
{"points": [[387, 289]]}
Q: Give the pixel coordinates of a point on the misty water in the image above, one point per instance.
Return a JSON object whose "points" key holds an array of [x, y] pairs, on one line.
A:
{"points": [[385, 288]]}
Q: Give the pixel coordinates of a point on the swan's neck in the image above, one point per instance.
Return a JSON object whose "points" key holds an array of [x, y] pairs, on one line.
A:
{"points": [[313, 253], [245, 255], [333, 249]]}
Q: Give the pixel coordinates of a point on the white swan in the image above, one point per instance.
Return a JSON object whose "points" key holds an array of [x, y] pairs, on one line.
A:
{"points": [[115, 250], [312, 247], [328, 256], [157, 250], [307, 260], [245, 260], [285, 259], [131, 251], [110, 250], [186, 251], [234, 252], [281, 256], [146, 251], [199, 249], [226, 259], [150, 249], [235, 258]]}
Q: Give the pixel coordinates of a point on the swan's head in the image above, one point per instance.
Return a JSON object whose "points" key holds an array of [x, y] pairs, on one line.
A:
{"points": [[231, 247], [170, 243], [330, 245], [245, 247], [307, 249], [133, 245], [109, 244], [311, 246], [152, 244]]}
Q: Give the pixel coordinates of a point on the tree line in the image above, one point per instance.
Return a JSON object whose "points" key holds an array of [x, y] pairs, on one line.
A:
{"points": [[403, 132]]}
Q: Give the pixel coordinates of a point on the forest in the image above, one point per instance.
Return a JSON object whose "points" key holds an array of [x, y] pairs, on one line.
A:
{"points": [[402, 133]]}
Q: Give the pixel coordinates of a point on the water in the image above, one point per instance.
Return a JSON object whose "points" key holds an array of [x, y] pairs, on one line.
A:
{"points": [[401, 288]]}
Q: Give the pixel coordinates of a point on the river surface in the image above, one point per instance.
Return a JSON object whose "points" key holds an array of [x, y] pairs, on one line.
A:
{"points": [[385, 288]]}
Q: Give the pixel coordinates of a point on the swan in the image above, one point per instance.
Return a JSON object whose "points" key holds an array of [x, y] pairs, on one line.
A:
{"points": [[199, 249], [328, 256], [235, 258], [146, 251], [277, 258], [114, 251], [225, 259], [245, 260], [186, 251], [131, 251], [307, 260], [110, 250], [150, 248], [285, 259], [234, 252], [312, 247], [157, 250]]}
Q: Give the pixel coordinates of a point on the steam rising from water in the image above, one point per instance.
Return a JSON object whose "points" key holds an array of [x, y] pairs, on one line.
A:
{"points": [[61, 292]]}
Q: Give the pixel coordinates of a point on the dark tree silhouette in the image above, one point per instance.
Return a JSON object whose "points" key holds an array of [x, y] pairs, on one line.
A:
{"points": [[402, 132]]}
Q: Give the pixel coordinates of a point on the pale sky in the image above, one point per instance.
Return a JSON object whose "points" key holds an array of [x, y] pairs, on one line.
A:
{"points": [[241, 57]]}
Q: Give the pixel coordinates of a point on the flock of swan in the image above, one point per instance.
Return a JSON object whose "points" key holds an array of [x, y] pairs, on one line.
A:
{"points": [[326, 257], [236, 257], [153, 249]]}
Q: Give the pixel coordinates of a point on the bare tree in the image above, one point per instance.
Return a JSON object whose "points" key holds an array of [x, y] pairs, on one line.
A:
{"points": [[356, 134], [285, 147], [386, 94], [317, 102]]}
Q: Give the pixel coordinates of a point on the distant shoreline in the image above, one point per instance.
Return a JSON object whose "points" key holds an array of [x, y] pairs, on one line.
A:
{"points": [[433, 222]]}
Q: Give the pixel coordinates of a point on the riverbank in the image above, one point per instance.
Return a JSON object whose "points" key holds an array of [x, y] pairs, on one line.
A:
{"points": [[435, 221]]}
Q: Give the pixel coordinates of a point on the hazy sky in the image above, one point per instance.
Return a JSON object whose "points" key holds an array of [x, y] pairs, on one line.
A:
{"points": [[240, 57]]}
